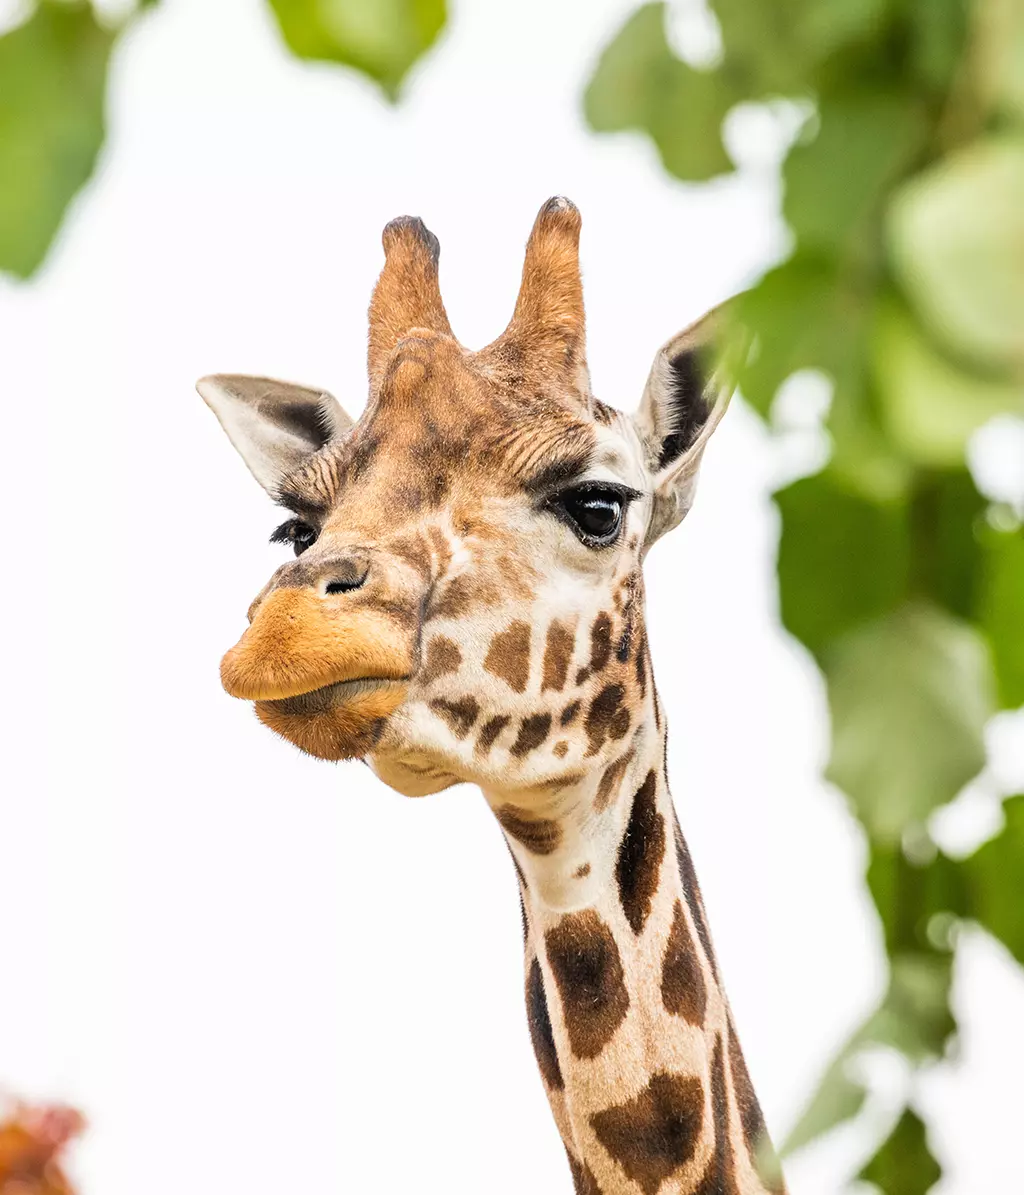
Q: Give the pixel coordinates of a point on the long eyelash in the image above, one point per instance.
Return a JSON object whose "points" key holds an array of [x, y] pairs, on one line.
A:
{"points": [[625, 494], [286, 533]]}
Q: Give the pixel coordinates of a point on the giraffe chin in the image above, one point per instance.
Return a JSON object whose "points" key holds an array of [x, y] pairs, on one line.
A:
{"points": [[412, 776], [339, 721]]}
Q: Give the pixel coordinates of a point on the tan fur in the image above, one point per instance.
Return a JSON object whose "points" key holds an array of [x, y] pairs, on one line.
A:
{"points": [[340, 731], [547, 326], [406, 294], [299, 642]]}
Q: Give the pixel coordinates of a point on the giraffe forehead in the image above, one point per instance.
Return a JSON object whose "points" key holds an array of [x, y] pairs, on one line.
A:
{"points": [[442, 423], [471, 433]]}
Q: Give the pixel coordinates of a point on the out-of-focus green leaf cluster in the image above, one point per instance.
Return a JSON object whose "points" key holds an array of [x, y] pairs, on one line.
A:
{"points": [[904, 191], [52, 82], [53, 72], [380, 38]]}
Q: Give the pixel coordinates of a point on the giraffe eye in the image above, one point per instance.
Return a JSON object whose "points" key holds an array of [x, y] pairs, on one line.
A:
{"points": [[594, 512], [297, 533]]}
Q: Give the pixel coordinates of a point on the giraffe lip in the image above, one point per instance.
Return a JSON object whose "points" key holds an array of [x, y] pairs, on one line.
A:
{"points": [[327, 697]]}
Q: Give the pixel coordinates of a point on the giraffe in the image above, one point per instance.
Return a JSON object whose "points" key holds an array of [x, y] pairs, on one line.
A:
{"points": [[466, 603]]}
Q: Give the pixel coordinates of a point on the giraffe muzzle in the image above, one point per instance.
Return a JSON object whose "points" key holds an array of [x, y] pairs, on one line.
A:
{"points": [[324, 673]]}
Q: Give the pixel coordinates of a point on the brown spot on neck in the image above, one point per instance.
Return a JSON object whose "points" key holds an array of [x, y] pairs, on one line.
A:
{"points": [[489, 732], [539, 835], [683, 991], [692, 896], [610, 781], [607, 718], [508, 657], [557, 783], [460, 715], [656, 1133], [532, 732], [640, 855], [443, 656], [540, 1029], [558, 650], [584, 959]]}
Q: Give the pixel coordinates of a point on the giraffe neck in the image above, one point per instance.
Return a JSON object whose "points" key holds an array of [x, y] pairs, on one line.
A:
{"points": [[628, 1017]]}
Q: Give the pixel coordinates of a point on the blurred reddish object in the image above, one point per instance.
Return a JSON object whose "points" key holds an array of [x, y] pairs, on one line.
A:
{"points": [[31, 1142]]}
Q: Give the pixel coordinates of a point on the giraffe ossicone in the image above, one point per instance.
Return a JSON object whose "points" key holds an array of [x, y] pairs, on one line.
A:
{"points": [[466, 604]]}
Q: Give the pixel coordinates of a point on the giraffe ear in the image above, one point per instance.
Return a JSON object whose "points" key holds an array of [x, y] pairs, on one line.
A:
{"points": [[686, 395], [274, 425]]}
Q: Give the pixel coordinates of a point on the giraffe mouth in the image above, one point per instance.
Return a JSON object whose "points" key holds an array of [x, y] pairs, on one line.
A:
{"points": [[342, 720], [320, 701]]}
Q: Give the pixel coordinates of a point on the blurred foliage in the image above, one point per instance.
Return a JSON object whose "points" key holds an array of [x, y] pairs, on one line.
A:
{"points": [[904, 192], [904, 1163], [53, 78], [382, 39]]}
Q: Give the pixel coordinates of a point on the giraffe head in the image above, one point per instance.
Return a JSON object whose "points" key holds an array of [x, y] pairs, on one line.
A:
{"points": [[466, 597]]}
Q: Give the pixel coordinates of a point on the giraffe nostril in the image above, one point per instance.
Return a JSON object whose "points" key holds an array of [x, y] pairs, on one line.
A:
{"points": [[344, 584]]}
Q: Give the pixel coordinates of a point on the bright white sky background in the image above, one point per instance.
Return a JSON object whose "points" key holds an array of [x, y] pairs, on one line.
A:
{"points": [[259, 973]]}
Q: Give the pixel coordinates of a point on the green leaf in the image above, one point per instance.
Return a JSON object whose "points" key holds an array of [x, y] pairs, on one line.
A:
{"points": [[914, 1018], [1001, 610], [822, 29], [863, 457], [994, 872], [802, 315], [776, 47], [640, 84], [908, 895], [760, 44], [827, 535], [956, 236], [381, 39], [773, 49], [931, 407], [904, 1165], [54, 70], [939, 30], [809, 313], [837, 1098], [835, 183], [1000, 51], [947, 559], [910, 695]]}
